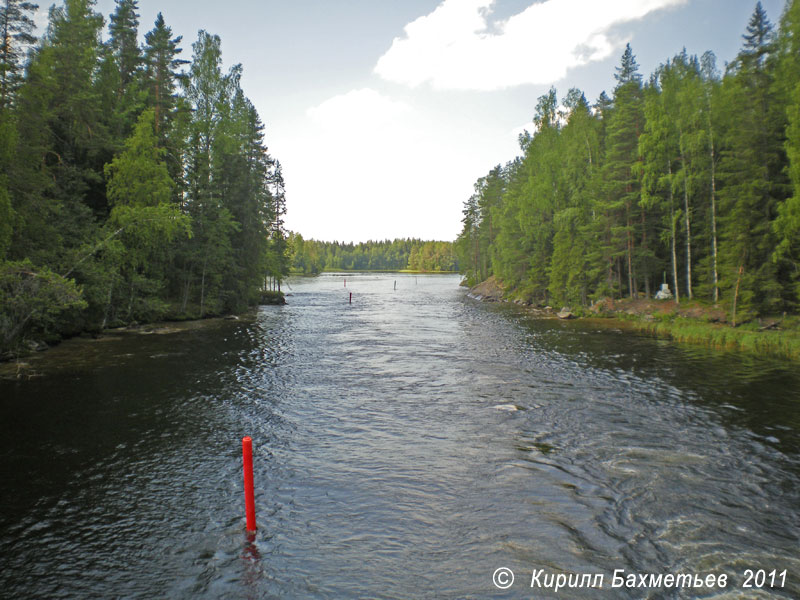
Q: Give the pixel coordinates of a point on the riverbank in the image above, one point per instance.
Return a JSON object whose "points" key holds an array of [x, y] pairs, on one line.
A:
{"points": [[77, 352], [171, 324], [688, 322]]}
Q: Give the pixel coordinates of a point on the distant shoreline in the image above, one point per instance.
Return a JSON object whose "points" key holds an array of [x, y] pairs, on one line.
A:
{"points": [[406, 271]]}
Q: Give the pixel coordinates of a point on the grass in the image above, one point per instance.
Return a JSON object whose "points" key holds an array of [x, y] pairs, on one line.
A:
{"points": [[781, 343]]}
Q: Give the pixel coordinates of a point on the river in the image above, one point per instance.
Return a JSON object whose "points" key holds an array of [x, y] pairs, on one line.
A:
{"points": [[406, 445]]}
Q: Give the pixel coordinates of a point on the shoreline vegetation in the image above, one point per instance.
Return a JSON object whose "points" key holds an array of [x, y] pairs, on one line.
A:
{"points": [[326, 271], [135, 181], [169, 323], [688, 322], [311, 256], [686, 179], [69, 352]]}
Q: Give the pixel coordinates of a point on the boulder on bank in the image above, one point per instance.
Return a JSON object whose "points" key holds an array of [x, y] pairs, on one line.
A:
{"points": [[565, 313], [489, 290]]}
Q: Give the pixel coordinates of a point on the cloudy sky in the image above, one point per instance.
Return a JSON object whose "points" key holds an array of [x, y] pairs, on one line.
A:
{"points": [[385, 112]]}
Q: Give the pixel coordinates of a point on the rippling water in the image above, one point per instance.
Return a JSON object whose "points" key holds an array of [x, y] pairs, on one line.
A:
{"points": [[406, 445]]}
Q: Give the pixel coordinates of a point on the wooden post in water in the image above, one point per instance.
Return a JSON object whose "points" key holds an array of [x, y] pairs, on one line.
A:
{"points": [[351, 297], [249, 496]]}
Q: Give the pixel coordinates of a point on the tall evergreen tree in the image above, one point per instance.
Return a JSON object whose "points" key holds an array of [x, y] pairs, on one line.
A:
{"points": [[16, 27], [572, 243], [124, 29], [162, 73], [711, 93], [751, 173], [621, 183], [787, 84]]}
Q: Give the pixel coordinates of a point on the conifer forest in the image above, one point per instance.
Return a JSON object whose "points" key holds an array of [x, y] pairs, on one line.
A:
{"points": [[689, 176], [135, 184]]}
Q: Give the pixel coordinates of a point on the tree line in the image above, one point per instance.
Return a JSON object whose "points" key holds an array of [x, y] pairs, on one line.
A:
{"points": [[134, 184], [312, 256], [691, 177]]}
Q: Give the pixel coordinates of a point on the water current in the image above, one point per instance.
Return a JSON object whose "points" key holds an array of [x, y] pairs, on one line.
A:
{"points": [[407, 445]]}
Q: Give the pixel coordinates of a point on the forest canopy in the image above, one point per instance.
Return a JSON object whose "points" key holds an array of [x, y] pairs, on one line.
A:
{"points": [[312, 256], [135, 184], [689, 177]]}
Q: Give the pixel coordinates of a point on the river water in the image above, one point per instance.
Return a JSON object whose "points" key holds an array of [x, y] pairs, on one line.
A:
{"points": [[406, 445]]}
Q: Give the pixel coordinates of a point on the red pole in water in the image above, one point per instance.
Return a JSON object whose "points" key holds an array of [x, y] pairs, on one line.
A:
{"points": [[249, 497], [351, 297]]}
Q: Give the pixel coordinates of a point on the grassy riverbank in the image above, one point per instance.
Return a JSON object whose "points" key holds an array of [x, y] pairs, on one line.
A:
{"points": [[750, 337], [688, 322]]}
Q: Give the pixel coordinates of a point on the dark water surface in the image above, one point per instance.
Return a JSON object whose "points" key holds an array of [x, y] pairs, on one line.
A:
{"points": [[406, 446]]}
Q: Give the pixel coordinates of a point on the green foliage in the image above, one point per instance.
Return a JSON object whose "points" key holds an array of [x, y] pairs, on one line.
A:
{"points": [[6, 220], [312, 256], [17, 26], [158, 203], [32, 300], [139, 177], [785, 344], [690, 179]]}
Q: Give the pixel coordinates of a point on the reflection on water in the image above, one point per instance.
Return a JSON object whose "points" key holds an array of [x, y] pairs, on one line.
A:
{"points": [[405, 445]]}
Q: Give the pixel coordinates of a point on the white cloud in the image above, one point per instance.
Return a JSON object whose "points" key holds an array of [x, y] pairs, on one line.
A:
{"points": [[357, 108], [458, 47], [374, 167]]}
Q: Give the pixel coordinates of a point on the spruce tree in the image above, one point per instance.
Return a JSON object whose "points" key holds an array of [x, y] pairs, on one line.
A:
{"points": [[621, 188], [162, 73], [751, 174], [16, 28]]}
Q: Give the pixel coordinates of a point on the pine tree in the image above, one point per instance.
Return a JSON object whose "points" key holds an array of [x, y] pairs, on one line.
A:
{"points": [[162, 73], [751, 173], [621, 182], [572, 244], [120, 71], [787, 223], [145, 219], [711, 93], [123, 29], [16, 27]]}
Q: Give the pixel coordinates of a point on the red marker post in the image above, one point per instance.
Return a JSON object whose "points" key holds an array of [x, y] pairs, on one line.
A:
{"points": [[249, 496]]}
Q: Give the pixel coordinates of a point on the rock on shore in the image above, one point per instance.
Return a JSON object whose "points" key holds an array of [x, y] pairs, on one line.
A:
{"points": [[489, 290]]}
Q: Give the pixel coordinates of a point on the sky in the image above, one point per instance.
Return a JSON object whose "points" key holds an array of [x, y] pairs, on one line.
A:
{"points": [[384, 113]]}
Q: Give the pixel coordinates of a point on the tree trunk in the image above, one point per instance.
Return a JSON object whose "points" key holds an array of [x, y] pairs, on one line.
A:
{"points": [[186, 292], [644, 254], [714, 222], [108, 305], [631, 286], [736, 294], [6, 45], [130, 302], [672, 235], [687, 223], [203, 289]]}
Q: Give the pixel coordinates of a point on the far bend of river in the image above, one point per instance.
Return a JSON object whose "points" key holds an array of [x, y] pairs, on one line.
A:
{"points": [[406, 446]]}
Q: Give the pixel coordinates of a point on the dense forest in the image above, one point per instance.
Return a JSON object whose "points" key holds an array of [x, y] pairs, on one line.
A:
{"points": [[312, 256], [134, 184], [691, 177]]}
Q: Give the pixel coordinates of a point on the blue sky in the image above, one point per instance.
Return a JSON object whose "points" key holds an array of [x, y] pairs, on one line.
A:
{"points": [[384, 113]]}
